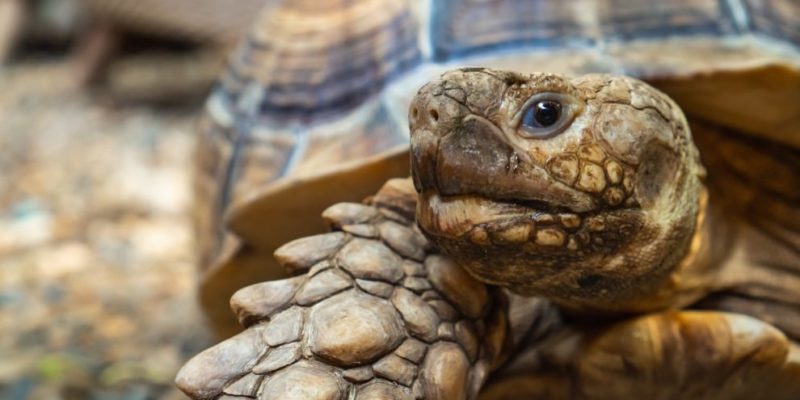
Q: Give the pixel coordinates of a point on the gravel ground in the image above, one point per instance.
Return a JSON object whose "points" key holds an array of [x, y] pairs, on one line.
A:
{"points": [[97, 277]]}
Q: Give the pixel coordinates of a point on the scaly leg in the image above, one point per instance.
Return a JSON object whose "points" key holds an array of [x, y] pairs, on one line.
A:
{"points": [[375, 314], [706, 355]]}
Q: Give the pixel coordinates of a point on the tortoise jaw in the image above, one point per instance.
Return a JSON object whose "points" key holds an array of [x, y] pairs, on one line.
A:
{"points": [[483, 220], [456, 216]]}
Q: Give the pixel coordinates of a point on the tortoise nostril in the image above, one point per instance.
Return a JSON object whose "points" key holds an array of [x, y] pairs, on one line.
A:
{"points": [[434, 114]]}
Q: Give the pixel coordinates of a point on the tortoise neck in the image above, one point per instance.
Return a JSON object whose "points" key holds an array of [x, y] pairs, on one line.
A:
{"points": [[681, 283], [694, 276]]}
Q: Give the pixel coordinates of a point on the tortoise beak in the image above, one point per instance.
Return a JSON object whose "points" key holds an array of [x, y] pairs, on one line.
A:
{"points": [[423, 161], [424, 121], [453, 149]]}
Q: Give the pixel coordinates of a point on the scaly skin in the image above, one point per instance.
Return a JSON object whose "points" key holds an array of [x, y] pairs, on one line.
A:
{"points": [[706, 355], [320, 335], [599, 216], [376, 313]]}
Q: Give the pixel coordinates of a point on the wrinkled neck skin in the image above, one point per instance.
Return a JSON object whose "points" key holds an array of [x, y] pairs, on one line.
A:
{"points": [[601, 212]]}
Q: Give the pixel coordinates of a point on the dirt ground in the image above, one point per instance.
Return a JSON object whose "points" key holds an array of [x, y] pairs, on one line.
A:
{"points": [[97, 277]]}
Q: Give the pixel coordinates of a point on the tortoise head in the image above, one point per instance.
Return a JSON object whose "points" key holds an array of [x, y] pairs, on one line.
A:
{"points": [[583, 190]]}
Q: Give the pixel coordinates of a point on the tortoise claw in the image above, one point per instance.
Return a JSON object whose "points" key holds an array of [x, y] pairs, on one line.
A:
{"points": [[204, 376], [257, 302]]}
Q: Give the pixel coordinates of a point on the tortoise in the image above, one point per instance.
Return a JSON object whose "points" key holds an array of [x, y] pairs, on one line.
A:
{"points": [[607, 253], [554, 234], [619, 232], [292, 128]]}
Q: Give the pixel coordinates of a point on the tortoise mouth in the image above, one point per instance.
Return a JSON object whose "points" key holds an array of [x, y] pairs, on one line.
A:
{"points": [[538, 227], [485, 220]]}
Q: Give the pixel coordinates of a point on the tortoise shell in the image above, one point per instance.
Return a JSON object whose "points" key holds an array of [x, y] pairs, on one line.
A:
{"points": [[312, 109]]}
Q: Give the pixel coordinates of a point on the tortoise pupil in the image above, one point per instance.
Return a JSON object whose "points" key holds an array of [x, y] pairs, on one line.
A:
{"points": [[544, 118], [547, 113]]}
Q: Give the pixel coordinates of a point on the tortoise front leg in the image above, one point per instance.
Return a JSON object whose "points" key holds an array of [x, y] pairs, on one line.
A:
{"points": [[689, 355], [670, 355], [375, 316]]}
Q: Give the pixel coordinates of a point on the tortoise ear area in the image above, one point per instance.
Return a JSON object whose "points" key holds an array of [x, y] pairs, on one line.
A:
{"points": [[658, 171]]}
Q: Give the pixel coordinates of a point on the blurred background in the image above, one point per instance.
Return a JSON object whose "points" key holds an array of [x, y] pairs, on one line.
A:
{"points": [[97, 269], [99, 106]]}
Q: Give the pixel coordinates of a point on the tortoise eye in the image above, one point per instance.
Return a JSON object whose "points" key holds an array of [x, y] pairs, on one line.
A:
{"points": [[545, 115]]}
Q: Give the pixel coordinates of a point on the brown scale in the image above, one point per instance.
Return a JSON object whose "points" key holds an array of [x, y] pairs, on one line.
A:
{"points": [[591, 170]]}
